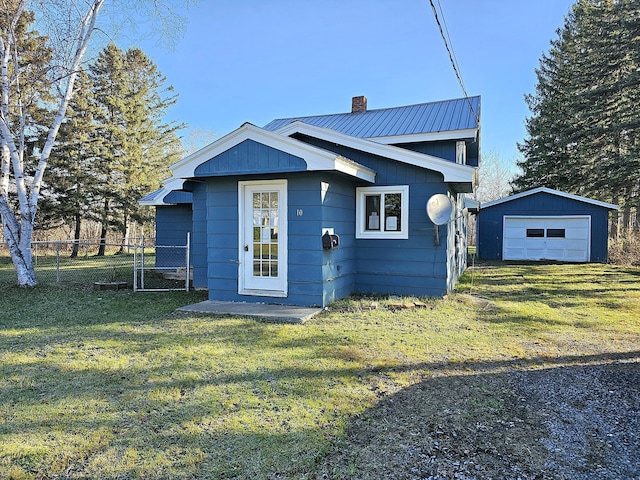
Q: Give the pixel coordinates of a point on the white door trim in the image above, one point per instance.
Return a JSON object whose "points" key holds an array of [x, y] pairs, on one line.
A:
{"points": [[248, 283]]}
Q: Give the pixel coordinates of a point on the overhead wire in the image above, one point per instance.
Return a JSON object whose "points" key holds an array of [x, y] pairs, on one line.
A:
{"points": [[446, 38]]}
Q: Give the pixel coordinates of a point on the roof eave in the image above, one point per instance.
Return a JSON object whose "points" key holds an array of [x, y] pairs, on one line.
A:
{"points": [[452, 172], [466, 134], [609, 206]]}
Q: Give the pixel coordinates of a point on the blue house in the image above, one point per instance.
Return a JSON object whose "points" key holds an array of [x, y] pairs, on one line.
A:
{"points": [[544, 224], [307, 210]]}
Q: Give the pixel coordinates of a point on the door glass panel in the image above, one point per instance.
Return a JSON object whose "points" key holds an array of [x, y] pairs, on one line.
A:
{"points": [[265, 234]]}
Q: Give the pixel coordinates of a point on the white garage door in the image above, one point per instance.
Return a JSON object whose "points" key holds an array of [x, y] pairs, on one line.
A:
{"points": [[567, 239]]}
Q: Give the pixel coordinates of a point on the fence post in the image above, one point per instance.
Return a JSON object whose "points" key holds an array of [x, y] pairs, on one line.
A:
{"points": [[86, 249], [188, 271], [135, 267], [58, 262], [142, 265]]}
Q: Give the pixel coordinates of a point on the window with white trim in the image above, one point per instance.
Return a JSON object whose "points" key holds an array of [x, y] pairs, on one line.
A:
{"points": [[382, 212]]}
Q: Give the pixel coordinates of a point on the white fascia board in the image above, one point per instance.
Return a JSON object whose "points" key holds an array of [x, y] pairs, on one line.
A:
{"points": [[316, 158], [551, 191], [452, 172], [466, 134]]}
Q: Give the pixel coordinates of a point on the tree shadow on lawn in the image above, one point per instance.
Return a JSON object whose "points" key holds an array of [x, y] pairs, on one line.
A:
{"points": [[575, 417], [557, 285], [196, 424]]}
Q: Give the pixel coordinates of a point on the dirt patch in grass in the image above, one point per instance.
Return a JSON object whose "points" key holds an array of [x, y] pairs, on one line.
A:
{"points": [[552, 422]]}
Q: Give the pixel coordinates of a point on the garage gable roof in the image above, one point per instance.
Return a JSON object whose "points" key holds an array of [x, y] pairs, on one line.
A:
{"points": [[609, 206]]}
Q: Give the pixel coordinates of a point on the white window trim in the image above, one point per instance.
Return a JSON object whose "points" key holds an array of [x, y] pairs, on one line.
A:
{"points": [[403, 233]]}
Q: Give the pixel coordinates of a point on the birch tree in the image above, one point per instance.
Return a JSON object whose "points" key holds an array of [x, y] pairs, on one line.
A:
{"points": [[18, 222], [70, 25]]}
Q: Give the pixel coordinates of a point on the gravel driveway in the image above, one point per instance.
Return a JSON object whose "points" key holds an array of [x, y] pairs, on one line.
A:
{"points": [[576, 421]]}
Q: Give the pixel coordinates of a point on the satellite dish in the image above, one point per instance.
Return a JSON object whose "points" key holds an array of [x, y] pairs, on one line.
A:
{"points": [[439, 209]]}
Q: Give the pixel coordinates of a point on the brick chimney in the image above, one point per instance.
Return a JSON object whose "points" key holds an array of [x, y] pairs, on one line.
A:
{"points": [[358, 104]]}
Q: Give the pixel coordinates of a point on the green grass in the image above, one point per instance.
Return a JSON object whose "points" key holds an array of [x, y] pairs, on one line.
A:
{"points": [[103, 384]]}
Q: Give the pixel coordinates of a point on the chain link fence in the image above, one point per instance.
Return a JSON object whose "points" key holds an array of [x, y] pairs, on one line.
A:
{"points": [[168, 268], [105, 265]]}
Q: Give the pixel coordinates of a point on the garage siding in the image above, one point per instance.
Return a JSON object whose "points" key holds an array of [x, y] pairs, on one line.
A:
{"points": [[490, 225]]}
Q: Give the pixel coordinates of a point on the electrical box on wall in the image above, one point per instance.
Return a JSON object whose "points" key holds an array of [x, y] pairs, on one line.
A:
{"points": [[330, 240]]}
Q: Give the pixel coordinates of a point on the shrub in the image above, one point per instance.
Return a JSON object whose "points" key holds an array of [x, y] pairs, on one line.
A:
{"points": [[625, 250]]}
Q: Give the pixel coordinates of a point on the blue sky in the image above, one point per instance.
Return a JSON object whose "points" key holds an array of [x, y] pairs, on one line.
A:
{"points": [[255, 60]]}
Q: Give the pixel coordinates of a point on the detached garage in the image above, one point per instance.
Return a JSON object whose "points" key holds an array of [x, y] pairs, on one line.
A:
{"points": [[544, 224]]}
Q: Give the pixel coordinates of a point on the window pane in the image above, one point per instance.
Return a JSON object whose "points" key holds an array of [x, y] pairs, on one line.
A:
{"points": [[392, 211], [555, 232], [372, 212], [535, 232]]}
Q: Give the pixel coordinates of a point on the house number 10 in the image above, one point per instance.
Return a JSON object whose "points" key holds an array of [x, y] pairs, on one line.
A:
{"points": [[299, 212]]}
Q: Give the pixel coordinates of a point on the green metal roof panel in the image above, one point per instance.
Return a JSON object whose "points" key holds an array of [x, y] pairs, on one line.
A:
{"points": [[433, 117]]}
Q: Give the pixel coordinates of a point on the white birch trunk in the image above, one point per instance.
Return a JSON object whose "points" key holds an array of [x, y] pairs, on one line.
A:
{"points": [[18, 229]]}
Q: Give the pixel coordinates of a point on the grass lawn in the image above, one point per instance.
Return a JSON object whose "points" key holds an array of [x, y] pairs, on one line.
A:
{"points": [[104, 384]]}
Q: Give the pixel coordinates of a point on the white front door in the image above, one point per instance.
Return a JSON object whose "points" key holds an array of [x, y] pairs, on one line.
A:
{"points": [[263, 238]]}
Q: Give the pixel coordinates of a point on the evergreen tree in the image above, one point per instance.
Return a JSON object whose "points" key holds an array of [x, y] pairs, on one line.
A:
{"points": [[582, 136], [72, 181], [139, 145]]}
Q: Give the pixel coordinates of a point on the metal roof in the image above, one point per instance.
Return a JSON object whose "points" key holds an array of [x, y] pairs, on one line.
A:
{"points": [[433, 117]]}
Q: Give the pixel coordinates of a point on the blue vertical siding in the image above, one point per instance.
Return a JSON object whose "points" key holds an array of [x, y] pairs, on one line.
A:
{"points": [[414, 266], [441, 149], [173, 223], [305, 255], [317, 200], [250, 157], [199, 236], [490, 222], [338, 212]]}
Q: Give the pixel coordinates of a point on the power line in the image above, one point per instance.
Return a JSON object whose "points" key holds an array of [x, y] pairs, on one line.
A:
{"points": [[452, 57]]}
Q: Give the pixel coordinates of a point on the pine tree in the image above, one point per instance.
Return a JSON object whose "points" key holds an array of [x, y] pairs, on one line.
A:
{"points": [[139, 146], [72, 181], [582, 136]]}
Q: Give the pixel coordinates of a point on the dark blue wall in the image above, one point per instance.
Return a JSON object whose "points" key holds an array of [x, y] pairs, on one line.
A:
{"points": [[199, 236], [317, 200], [445, 149], [490, 223], [414, 266], [305, 254], [250, 157], [173, 222]]}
